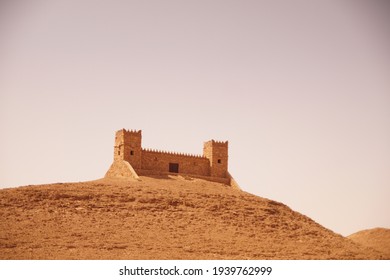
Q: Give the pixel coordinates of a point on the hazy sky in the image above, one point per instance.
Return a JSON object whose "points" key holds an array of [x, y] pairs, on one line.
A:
{"points": [[301, 89]]}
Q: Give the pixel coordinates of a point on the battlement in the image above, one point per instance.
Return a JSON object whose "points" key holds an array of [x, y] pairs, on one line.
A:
{"points": [[213, 163], [218, 142], [171, 153], [130, 131]]}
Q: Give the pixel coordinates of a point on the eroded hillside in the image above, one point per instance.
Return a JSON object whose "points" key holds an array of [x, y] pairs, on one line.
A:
{"points": [[159, 218]]}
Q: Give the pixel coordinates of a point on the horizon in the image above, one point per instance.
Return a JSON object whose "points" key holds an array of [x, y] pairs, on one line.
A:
{"points": [[300, 90]]}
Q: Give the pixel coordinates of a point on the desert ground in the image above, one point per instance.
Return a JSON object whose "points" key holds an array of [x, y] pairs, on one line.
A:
{"points": [[377, 238], [166, 217]]}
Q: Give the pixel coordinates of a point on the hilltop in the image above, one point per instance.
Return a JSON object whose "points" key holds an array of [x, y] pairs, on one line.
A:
{"points": [[377, 238], [169, 217]]}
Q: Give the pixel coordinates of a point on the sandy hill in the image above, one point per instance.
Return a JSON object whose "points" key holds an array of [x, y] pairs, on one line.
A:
{"points": [[377, 238], [159, 218]]}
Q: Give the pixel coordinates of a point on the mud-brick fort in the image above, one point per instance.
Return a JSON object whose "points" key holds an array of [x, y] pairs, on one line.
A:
{"points": [[131, 160]]}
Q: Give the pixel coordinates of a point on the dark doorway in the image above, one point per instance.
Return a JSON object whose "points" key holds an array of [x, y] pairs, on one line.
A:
{"points": [[174, 167]]}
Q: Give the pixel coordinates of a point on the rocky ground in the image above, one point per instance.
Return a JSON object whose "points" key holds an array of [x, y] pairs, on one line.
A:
{"points": [[169, 217]]}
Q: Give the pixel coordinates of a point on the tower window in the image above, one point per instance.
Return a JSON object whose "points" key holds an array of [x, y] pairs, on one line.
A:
{"points": [[219, 161], [132, 153], [119, 153]]}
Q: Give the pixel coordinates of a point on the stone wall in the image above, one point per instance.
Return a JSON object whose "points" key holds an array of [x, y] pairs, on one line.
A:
{"points": [[217, 153], [128, 146], [131, 160], [188, 164]]}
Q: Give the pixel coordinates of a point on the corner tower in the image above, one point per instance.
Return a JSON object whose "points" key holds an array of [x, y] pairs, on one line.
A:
{"points": [[217, 153], [128, 147]]}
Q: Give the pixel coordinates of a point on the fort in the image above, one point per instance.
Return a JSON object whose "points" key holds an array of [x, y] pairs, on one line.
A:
{"points": [[131, 160]]}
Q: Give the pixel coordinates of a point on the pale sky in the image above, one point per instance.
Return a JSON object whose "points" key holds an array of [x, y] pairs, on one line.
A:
{"points": [[301, 89]]}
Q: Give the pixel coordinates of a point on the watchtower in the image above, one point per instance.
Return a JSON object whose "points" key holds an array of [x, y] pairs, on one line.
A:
{"points": [[217, 153], [128, 147]]}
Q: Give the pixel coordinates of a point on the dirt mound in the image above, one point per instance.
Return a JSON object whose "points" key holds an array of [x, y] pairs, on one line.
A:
{"points": [[159, 218], [377, 238]]}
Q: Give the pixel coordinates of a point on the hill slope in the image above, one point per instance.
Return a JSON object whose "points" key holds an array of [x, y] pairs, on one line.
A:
{"points": [[159, 218], [377, 238]]}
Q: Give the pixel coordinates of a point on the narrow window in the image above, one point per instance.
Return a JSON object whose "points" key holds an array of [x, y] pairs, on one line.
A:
{"points": [[219, 161], [119, 153], [132, 153]]}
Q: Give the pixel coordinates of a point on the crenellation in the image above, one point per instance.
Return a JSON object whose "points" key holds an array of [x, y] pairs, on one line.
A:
{"points": [[132, 131], [172, 153]]}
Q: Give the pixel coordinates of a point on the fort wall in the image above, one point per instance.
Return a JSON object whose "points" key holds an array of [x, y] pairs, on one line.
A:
{"points": [[187, 164], [131, 160]]}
